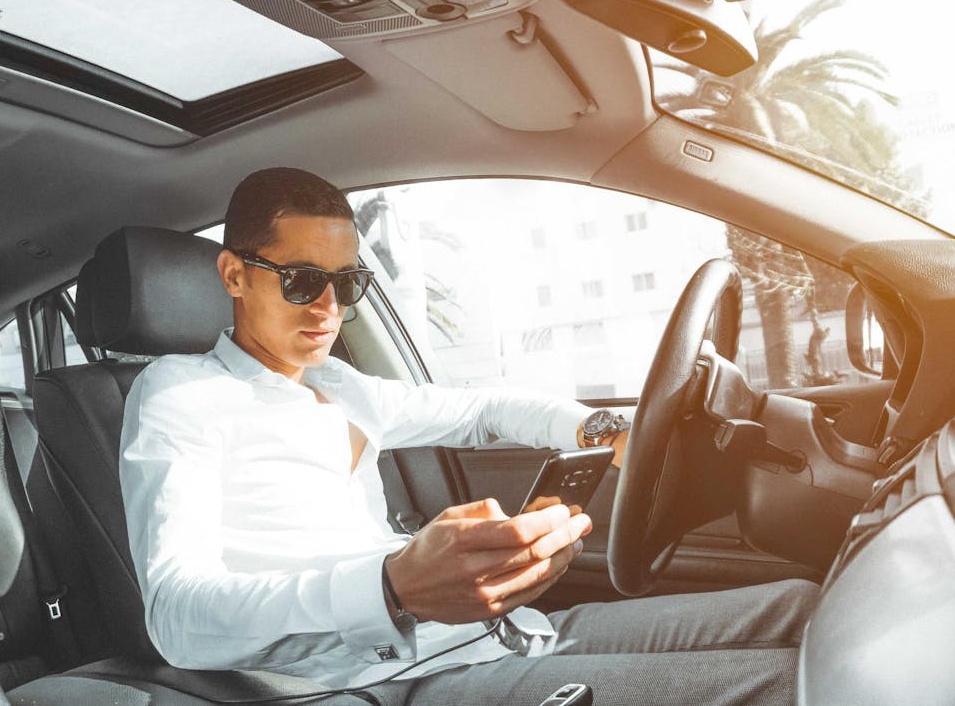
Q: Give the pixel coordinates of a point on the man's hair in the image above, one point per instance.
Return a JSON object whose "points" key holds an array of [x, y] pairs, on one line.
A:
{"points": [[267, 195]]}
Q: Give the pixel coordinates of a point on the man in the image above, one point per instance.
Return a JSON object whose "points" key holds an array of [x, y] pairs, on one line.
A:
{"points": [[257, 520]]}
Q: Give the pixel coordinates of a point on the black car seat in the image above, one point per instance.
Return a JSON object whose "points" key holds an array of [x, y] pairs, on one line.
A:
{"points": [[145, 292], [23, 650]]}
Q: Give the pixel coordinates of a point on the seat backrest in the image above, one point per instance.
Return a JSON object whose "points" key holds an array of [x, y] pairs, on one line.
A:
{"points": [[22, 623], [145, 292]]}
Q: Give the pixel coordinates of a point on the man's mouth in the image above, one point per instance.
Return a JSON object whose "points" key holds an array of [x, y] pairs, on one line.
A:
{"points": [[319, 335]]}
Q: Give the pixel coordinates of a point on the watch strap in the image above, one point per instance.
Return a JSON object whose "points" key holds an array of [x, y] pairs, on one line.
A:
{"points": [[404, 621]]}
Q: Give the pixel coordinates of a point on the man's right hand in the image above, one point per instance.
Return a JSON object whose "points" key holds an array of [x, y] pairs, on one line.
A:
{"points": [[473, 562]]}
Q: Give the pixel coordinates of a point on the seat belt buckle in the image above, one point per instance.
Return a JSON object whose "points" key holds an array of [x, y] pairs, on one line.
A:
{"points": [[53, 607]]}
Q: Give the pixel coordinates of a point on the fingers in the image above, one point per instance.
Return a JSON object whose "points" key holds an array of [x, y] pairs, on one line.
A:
{"points": [[473, 561], [474, 533], [546, 545], [487, 509], [506, 591], [493, 561], [519, 530]]}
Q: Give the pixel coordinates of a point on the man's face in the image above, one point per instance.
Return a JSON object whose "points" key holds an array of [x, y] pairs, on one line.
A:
{"points": [[286, 337]]}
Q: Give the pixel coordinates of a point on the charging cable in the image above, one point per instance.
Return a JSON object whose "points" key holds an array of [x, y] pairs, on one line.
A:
{"points": [[494, 627]]}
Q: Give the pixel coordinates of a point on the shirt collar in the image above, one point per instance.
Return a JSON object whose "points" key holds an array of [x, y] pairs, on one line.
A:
{"points": [[238, 362], [246, 367], [326, 376]]}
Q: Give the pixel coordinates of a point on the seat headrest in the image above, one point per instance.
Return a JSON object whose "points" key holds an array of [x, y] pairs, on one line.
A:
{"points": [[152, 291]]}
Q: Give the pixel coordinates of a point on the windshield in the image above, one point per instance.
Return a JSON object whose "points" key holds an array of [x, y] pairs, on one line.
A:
{"points": [[853, 89]]}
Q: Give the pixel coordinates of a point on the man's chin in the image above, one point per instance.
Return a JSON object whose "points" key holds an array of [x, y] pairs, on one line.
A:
{"points": [[315, 357]]}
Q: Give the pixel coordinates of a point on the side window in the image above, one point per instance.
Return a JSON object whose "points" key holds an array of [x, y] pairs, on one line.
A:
{"points": [[11, 360], [567, 288], [73, 350]]}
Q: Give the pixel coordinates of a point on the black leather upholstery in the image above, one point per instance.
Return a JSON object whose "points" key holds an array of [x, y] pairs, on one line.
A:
{"points": [[21, 622], [146, 291], [151, 291], [79, 418]]}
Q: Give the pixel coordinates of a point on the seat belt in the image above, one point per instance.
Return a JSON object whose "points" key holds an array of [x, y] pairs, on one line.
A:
{"points": [[51, 592], [23, 438], [402, 515]]}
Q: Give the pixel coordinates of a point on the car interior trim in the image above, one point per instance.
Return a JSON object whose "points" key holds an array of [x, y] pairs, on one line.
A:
{"points": [[201, 117]]}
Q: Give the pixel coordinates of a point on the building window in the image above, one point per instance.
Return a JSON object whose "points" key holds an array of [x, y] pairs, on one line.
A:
{"points": [[540, 339], [594, 289], [539, 239], [586, 230], [544, 297], [589, 334], [644, 281], [636, 221]]}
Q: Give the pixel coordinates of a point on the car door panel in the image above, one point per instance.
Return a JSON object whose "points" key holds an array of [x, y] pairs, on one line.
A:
{"points": [[712, 557]]}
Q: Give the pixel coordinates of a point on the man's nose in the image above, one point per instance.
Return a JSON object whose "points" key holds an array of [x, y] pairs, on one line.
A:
{"points": [[327, 301]]}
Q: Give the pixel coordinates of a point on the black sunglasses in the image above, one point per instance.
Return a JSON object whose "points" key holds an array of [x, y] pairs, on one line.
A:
{"points": [[303, 284]]}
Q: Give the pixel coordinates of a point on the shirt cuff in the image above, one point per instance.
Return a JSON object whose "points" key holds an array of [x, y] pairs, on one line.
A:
{"points": [[361, 614]]}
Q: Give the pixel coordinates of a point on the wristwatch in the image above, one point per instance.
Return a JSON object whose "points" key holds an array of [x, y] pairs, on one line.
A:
{"points": [[602, 426]]}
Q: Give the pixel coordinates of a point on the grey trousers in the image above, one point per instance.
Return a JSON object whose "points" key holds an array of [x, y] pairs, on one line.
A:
{"points": [[728, 647]]}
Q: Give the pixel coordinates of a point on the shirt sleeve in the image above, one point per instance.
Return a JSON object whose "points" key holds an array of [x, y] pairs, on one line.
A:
{"points": [[199, 614], [425, 415]]}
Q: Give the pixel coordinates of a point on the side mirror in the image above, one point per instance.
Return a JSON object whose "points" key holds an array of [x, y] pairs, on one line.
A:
{"points": [[864, 336]]}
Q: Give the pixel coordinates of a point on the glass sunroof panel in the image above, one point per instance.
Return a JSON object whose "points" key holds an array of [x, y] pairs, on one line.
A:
{"points": [[188, 49]]}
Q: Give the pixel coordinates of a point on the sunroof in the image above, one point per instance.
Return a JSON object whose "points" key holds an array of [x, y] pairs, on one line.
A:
{"points": [[187, 49]]}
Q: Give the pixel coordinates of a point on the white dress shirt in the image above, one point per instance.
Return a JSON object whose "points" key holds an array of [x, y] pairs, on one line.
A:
{"points": [[255, 543]]}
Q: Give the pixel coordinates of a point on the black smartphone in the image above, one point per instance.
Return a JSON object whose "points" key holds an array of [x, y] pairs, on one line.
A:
{"points": [[569, 477]]}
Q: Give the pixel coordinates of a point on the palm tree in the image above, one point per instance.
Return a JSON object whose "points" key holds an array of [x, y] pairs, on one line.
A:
{"points": [[822, 103]]}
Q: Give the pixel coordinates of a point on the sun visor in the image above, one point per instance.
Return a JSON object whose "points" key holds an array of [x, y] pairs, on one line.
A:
{"points": [[538, 94], [712, 34]]}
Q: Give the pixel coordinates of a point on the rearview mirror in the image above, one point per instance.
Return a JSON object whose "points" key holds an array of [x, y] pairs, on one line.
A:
{"points": [[864, 337]]}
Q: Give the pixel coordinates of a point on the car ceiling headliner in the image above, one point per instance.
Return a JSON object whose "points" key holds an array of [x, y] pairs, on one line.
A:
{"points": [[64, 185]]}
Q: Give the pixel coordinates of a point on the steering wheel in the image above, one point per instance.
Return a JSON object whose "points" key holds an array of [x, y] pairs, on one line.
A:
{"points": [[647, 493]]}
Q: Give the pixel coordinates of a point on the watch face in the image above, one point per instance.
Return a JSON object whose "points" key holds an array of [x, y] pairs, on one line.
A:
{"points": [[406, 622], [598, 422]]}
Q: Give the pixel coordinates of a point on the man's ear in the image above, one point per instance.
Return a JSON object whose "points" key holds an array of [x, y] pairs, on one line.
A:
{"points": [[231, 272]]}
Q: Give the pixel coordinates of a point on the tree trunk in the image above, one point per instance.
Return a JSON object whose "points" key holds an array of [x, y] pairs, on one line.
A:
{"points": [[776, 315]]}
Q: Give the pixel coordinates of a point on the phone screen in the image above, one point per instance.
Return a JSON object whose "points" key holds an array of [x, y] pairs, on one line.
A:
{"points": [[569, 477]]}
